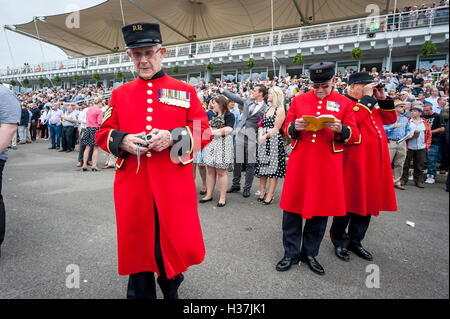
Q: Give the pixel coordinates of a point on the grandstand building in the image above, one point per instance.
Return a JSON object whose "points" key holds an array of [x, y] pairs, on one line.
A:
{"points": [[387, 40]]}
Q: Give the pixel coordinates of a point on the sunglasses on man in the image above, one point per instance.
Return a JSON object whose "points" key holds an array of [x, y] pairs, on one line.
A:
{"points": [[322, 85]]}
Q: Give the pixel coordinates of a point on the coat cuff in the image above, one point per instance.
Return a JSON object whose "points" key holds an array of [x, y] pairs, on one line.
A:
{"points": [[386, 105], [368, 101], [344, 136], [114, 139], [291, 132]]}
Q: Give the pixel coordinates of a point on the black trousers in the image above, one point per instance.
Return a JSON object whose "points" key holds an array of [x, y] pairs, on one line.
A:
{"points": [[33, 130], [294, 234], [418, 157], [444, 154], [44, 130], [74, 137], [67, 137], [142, 285], [357, 228], [2, 205]]}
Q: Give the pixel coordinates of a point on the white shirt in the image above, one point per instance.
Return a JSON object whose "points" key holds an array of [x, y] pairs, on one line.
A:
{"points": [[82, 118]]}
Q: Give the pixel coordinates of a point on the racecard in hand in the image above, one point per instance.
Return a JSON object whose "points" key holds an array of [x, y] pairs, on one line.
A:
{"points": [[316, 123]]}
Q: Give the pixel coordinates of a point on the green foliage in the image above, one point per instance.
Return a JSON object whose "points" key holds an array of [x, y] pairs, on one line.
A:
{"points": [[175, 69], [96, 76], [12, 82], [428, 48], [25, 82], [298, 59], [57, 79], [119, 75], [76, 77], [210, 67], [41, 80], [250, 63], [357, 53]]}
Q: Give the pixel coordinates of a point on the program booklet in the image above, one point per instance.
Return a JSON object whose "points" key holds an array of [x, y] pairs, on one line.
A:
{"points": [[316, 123]]}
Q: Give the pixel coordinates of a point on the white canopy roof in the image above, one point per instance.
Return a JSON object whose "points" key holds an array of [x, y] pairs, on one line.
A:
{"points": [[182, 21]]}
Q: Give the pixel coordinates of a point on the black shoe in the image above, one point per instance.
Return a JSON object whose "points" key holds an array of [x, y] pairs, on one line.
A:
{"points": [[69, 150], [342, 253], [170, 287], [313, 264], [62, 150], [269, 202], [202, 192], [219, 204], [246, 193], [205, 200], [262, 199], [360, 251], [286, 263], [234, 189]]}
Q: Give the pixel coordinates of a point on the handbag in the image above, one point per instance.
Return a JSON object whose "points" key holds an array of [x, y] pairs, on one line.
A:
{"points": [[260, 122]]}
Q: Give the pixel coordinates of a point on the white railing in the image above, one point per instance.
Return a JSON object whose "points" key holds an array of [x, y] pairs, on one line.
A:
{"points": [[355, 27]]}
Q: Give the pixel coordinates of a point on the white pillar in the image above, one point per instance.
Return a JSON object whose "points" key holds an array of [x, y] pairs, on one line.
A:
{"points": [[282, 70]]}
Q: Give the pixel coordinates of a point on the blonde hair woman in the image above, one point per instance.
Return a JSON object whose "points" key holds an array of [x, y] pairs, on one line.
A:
{"points": [[271, 157]]}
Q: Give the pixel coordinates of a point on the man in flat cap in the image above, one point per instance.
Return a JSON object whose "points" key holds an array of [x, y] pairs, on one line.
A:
{"points": [[149, 127], [314, 183], [369, 185]]}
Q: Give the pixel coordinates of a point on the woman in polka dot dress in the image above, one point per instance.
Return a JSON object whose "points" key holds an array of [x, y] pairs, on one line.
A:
{"points": [[271, 156]]}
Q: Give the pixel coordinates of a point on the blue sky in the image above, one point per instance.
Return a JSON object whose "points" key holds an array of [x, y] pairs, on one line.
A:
{"points": [[24, 49]]}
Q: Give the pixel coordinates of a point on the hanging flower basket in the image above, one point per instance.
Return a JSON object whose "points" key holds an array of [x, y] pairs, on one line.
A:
{"points": [[96, 76], [119, 75], [175, 69], [250, 63], [12, 82], [210, 67], [357, 53], [25, 82], [57, 79], [429, 48], [298, 59]]}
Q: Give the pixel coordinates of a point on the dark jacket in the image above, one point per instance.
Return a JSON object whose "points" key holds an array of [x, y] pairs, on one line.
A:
{"points": [[24, 118], [36, 114]]}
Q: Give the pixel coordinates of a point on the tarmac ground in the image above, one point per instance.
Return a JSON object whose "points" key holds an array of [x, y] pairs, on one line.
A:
{"points": [[61, 220]]}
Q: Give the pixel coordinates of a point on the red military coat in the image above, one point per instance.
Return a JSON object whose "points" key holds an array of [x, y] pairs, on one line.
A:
{"points": [[314, 182], [369, 185], [136, 107]]}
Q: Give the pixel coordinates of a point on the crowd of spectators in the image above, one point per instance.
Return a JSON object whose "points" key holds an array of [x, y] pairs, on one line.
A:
{"points": [[61, 116], [413, 89]]}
